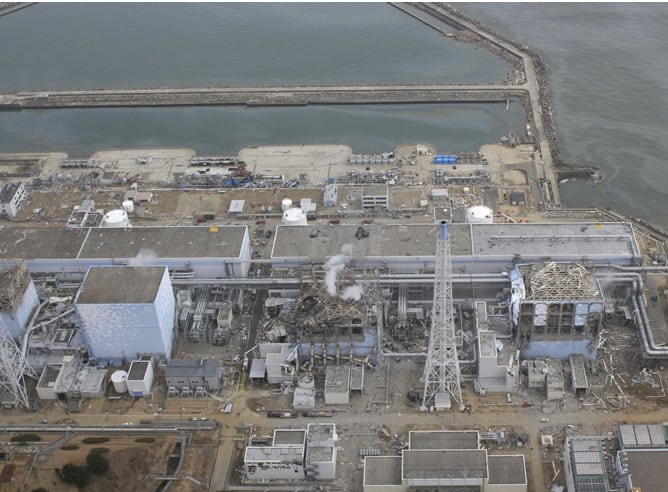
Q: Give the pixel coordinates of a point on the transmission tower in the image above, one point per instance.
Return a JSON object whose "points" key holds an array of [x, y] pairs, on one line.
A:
{"points": [[13, 366], [441, 370]]}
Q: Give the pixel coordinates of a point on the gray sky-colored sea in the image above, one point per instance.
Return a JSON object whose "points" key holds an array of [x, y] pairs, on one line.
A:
{"points": [[607, 71]]}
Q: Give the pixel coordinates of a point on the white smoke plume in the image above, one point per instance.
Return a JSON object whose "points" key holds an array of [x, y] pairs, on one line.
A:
{"points": [[334, 265], [145, 257], [352, 293]]}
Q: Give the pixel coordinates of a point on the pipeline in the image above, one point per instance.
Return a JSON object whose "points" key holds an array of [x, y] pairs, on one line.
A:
{"points": [[650, 349]]}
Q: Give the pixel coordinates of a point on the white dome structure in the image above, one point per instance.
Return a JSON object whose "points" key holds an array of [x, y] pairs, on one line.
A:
{"points": [[479, 214], [120, 381], [286, 204], [294, 217], [116, 218], [129, 206]]}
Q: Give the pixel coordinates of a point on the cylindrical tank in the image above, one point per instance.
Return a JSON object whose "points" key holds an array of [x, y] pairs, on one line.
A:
{"points": [[286, 204], [479, 214], [115, 218], [129, 206], [119, 380], [294, 217]]}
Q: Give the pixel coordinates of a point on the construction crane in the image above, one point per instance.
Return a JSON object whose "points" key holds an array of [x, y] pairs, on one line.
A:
{"points": [[441, 370]]}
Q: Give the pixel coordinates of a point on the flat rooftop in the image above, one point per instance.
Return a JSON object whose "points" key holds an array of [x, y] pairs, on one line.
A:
{"points": [[119, 243], [507, 469], [337, 379], [549, 240], [274, 454], [120, 285], [443, 440], [319, 454], [437, 464], [138, 370], [165, 242], [7, 191], [487, 342], [320, 432], [49, 376], [289, 437], [649, 470], [555, 240], [383, 240], [31, 244], [382, 470], [192, 368]]}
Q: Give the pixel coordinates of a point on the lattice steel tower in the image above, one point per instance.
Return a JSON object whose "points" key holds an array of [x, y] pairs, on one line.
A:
{"points": [[13, 367], [441, 370]]}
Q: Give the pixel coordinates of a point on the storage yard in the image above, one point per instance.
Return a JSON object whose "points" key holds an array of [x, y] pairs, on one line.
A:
{"points": [[309, 318]]}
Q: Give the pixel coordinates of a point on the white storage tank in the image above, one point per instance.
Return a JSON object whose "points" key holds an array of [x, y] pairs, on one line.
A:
{"points": [[129, 206], [294, 217], [479, 214], [286, 204], [120, 381], [116, 218]]}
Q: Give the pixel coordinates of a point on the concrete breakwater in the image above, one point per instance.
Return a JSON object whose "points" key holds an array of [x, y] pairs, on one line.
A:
{"points": [[541, 78], [269, 96], [7, 8]]}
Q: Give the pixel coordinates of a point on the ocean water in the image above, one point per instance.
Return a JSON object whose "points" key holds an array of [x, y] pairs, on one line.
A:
{"points": [[609, 82], [607, 69], [60, 45], [216, 130]]}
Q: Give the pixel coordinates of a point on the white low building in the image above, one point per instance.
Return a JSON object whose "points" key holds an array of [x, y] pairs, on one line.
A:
{"points": [[140, 378]]}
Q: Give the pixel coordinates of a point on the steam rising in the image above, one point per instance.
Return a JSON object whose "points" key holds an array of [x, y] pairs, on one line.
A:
{"points": [[334, 265], [145, 257], [352, 293], [332, 268]]}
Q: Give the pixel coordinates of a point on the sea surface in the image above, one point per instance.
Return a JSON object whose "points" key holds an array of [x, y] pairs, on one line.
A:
{"points": [[608, 72], [607, 69]]}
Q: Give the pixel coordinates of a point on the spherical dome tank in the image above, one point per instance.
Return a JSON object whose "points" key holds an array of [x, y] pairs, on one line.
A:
{"points": [[479, 214], [119, 380], [294, 217], [286, 204], [115, 218], [129, 206]]}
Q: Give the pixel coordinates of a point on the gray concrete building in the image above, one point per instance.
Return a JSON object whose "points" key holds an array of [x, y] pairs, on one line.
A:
{"points": [[12, 198], [293, 455], [197, 376], [445, 460], [202, 252], [476, 248]]}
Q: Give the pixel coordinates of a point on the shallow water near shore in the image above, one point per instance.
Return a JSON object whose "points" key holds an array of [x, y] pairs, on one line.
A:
{"points": [[607, 70]]}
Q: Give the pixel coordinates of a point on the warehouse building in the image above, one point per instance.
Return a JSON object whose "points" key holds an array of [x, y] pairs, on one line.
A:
{"points": [[444, 460], [476, 248], [201, 252], [584, 465], [126, 312], [193, 377], [294, 455]]}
